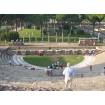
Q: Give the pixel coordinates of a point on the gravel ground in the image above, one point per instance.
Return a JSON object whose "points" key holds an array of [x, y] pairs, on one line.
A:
{"points": [[79, 84]]}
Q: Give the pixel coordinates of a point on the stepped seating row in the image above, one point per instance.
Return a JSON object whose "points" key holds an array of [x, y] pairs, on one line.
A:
{"points": [[56, 52], [18, 60], [6, 56]]}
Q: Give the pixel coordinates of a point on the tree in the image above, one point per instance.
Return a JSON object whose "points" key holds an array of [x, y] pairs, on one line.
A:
{"points": [[2, 16], [100, 17], [60, 19], [12, 36], [93, 19], [72, 20]]}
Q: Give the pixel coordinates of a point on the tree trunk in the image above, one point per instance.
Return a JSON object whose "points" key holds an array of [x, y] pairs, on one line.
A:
{"points": [[62, 34], [34, 26], [16, 25], [93, 28], [48, 37], [21, 24], [99, 27], [99, 31], [41, 28], [69, 31], [56, 38], [54, 25], [48, 33], [23, 39]]}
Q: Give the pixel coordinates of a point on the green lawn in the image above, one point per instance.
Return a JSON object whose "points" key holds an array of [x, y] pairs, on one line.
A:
{"points": [[35, 36], [38, 60], [47, 60], [31, 32], [72, 59], [37, 33]]}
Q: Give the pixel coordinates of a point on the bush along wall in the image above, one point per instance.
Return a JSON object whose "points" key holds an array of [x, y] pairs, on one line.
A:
{"points": [[12, 36]]}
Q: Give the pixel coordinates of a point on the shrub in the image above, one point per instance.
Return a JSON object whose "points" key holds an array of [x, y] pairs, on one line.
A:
{"points": [[27, 52], [79, 52], [12, 36], [19, 52], [80, 32]]}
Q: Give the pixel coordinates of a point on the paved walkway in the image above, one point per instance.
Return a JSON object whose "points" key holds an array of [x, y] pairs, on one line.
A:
{"points": [[98, 64], [88, 60]]}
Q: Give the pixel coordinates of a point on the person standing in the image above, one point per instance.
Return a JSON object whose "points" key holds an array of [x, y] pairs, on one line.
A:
{"points": [[91, 68], [103, 72], [10, 63], [68, 73]]}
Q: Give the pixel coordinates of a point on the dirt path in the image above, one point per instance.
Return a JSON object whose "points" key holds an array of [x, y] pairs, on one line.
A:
{"points": [[99, 59], [79, 84]]}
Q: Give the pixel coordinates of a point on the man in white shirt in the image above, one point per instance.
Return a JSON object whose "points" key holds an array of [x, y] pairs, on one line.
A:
{"points": [[68, 73]]}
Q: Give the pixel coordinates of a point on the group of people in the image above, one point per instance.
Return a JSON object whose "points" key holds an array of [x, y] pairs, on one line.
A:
{"points": [[55, 65], [51, 67]]}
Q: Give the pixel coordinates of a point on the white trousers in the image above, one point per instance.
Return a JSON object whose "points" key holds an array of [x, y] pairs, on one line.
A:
{"points": [[68, 82]]}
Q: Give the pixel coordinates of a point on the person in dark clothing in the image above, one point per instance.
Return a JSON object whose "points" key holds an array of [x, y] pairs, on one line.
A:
{"points": [[104, 70], [91, 68]]}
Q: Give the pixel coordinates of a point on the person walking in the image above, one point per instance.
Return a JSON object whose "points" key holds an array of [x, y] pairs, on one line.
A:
{"points": [[69, 74]]}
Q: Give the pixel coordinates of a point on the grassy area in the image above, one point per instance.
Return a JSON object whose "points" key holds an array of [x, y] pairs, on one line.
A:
{"points": [[72, 59], [47, 60], [35, 35], [81, 35], [36, 32], [39, 60], [31, 32]]}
